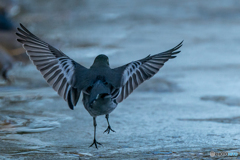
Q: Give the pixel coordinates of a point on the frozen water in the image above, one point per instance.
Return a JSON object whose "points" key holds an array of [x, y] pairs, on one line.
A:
{"points": [[182, 112]]}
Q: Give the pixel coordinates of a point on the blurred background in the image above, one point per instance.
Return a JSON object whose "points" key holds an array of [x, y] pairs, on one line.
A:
{"points": [[191, 107]]}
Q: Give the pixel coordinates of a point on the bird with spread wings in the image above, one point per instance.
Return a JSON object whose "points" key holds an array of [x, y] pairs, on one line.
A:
{"points": [[102, 87]]}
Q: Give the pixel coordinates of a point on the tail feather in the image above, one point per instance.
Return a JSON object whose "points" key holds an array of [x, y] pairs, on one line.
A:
{"points": [[99, 90]]}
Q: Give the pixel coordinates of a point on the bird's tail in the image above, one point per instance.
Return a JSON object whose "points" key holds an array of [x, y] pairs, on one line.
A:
{"points": [[99, 90]]}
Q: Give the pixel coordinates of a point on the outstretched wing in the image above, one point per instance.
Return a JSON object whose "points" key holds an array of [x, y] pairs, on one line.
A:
{"points": [[58, 70], [136, 72]]}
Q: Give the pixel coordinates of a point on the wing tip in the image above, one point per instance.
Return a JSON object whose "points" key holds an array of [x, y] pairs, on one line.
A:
{"points": [[22, 26], [20, 40], [178, 46], [22, 31]]}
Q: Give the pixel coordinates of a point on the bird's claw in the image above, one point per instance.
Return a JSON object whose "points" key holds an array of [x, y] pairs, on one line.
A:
{"points": [[108, 130], [95, 143]]}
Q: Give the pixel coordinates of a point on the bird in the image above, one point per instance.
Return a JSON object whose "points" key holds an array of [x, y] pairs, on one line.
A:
{"points": [[102, 87], [6, 64], [10, 50], [5, 23]]}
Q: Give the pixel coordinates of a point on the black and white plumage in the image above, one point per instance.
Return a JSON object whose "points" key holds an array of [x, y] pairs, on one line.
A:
{"points": [[102, 87], [136, 72]]}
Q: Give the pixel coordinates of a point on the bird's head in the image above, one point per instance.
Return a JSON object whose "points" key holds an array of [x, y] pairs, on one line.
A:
{"points": [[101, 60]]}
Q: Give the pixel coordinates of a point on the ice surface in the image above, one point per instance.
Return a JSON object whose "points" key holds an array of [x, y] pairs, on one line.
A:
{"points": [[191, 107]]}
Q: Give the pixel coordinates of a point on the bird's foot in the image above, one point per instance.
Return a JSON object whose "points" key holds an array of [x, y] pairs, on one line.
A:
{"points": [[108, 130], [95, 143]]}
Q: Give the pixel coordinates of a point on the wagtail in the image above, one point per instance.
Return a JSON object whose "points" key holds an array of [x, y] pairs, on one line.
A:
{"points": [[102, 87]]}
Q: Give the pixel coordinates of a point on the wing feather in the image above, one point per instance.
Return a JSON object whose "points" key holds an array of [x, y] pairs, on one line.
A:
{"points": [[57, 69], [136, 72]]}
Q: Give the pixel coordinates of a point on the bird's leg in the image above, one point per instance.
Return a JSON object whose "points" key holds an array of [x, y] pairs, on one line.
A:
{"points": [[94, 140], [109, 127]]}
